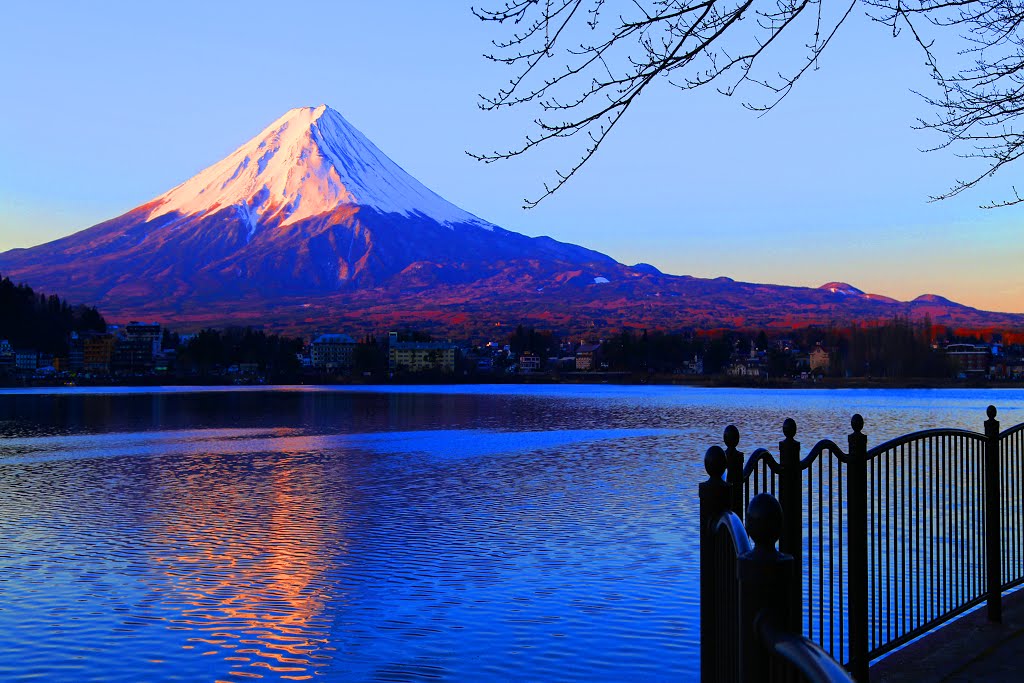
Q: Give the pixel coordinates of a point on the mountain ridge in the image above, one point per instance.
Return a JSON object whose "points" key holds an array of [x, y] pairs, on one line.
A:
{"points": [[309, 224]]}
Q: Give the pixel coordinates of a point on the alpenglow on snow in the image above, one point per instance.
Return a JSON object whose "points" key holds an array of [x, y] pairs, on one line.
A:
{"points": [[306, 163]]}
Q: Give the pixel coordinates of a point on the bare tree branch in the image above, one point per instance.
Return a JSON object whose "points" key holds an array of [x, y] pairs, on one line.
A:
{"points": [[583, 68], [980, 98]]}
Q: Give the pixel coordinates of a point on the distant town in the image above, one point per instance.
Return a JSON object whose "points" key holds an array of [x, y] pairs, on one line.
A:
{"points": [[146, 353], [46, 341]]}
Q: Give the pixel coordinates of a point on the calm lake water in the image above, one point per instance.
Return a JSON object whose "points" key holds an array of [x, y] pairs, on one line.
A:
{"points": [[392, 534]]}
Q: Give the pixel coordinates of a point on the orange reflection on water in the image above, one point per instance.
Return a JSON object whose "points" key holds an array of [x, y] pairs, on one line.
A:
{"points": [[244, 552]]}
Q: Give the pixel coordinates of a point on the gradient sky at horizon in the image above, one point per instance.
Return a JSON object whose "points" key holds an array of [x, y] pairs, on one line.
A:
{"points": [[106, 106]]}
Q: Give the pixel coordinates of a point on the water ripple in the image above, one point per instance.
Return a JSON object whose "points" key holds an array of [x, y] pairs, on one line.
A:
{"points": [[368, 536]]}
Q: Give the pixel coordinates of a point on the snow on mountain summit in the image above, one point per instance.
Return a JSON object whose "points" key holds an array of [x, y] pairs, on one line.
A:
{"points": [[306, 163], [841, 288]]}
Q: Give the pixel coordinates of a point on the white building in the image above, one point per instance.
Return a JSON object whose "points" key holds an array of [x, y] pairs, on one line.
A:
{"points": [[528, 363], [333, 352]]}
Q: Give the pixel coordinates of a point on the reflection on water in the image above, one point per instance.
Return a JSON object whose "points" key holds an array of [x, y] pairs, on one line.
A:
{"points": [[250, 593], [440, 534]]}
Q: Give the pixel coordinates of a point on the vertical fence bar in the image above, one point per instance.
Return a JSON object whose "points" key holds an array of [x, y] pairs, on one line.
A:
{"points": [[791, 543], [889, 559], [734, 470], [918, 498], [857, 549], [825, 542], [992, 530], [1014, 449], [714, 500]]}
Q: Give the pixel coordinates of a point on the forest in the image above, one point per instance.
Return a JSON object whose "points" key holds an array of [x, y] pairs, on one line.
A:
{"points": [[42, 322]]}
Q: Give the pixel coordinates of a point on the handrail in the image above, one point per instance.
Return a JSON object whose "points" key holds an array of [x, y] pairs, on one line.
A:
{"points": [[800, 653], [760, 454], [823, 445], [923, 434], [733, 527], [1011, 430]]}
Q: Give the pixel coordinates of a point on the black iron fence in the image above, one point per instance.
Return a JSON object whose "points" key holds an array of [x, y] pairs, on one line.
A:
{"points": [[746, 624], [889, 542]]}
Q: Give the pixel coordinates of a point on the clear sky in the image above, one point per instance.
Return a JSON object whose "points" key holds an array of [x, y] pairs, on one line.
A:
{"points": [[106, 105]]}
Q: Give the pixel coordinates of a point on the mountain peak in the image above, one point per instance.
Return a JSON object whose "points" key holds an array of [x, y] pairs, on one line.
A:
{"points": [[934, 299], [841, 288], [308, 162], [306, 115]]}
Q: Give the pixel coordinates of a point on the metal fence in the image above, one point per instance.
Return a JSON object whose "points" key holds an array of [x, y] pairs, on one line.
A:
{"points": [[746, 632], [892, 541]]}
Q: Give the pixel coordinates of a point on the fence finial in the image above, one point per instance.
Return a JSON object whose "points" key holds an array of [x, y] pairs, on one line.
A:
{"points": [[714, 462], [991, 412], [857, 422], [789, 428], [734, 469], [731, 436], [764, 521]]}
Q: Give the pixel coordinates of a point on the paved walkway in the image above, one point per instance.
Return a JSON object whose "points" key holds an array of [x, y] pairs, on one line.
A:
{"points": [[969, 649]]}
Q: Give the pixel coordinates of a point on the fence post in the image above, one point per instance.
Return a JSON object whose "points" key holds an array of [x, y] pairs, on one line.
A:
{"points": [[734, 469], [714, 500], [993, 533], [857, 543], [790, 498], [765, 577]]}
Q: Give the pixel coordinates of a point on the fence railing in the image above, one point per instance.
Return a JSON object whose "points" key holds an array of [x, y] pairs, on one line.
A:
{"points": [[892, 541], [745, 608]]}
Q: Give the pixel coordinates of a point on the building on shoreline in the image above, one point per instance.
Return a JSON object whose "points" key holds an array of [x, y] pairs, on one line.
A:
{"points": [[97, 353], [414, 357], [819, 359], [587, 356], [970, 359], [529, 363], [333, 353]]}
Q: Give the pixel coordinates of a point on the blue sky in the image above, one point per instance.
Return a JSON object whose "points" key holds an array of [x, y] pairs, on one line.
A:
{"points": [[106, 105]]}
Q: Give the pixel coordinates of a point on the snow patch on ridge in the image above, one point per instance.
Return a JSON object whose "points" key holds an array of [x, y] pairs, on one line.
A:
{"points": [[841, 288], [309, 162]]}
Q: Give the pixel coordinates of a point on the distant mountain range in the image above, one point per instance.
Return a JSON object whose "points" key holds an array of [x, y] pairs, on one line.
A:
{"points": [[309, 225]]}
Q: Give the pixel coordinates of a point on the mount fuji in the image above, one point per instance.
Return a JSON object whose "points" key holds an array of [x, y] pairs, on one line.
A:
{"points": [[310, 225]]}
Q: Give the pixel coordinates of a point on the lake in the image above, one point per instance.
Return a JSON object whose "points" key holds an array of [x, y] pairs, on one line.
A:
{"points": [[381, 533]]}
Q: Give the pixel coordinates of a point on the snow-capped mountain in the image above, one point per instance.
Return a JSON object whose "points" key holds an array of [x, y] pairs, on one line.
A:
{"points": [[307, 163], [310, 225], [306, 208]]}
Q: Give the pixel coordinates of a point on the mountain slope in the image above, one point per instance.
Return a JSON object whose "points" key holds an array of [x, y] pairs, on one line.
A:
{"points": [[309, 224], [308, 206], [306, 164]]}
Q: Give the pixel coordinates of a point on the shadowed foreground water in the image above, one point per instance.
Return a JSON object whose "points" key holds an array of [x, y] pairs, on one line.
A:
{"points": [[530, 533]]}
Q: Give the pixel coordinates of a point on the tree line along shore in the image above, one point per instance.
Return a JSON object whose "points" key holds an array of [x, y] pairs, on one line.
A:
{"points": [[44, 340]]}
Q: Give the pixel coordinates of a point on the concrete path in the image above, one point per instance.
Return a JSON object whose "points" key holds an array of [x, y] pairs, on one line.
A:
{"points": [[969, 649]]}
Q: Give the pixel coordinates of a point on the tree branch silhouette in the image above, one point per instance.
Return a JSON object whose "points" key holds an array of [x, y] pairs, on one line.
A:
{"points": [[978, 102], [583, 67]]}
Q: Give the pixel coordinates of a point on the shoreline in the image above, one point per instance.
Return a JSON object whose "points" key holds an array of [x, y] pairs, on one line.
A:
{"points": [[615, 378]]}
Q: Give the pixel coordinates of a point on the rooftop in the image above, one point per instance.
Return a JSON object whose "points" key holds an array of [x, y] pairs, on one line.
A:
{"points": [[334, 339]]}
